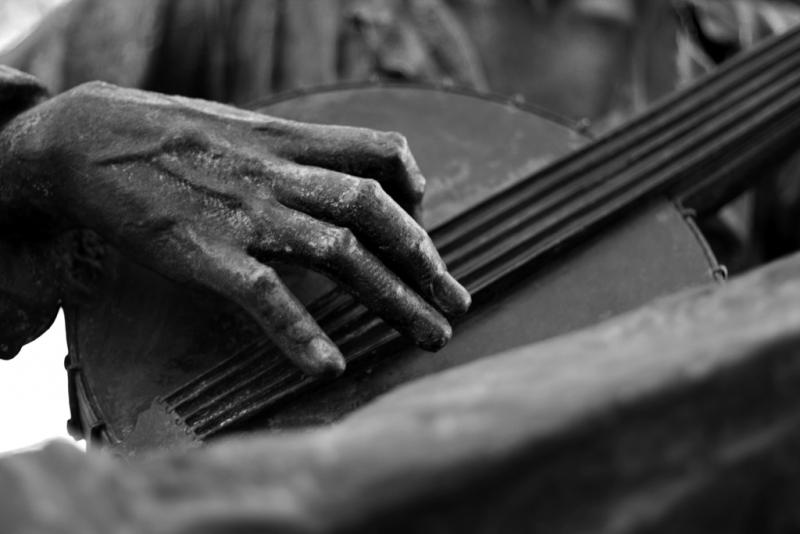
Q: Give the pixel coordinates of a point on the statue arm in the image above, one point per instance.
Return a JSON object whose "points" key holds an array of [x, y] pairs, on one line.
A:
{"points": [[29, 269], [211, 195]]}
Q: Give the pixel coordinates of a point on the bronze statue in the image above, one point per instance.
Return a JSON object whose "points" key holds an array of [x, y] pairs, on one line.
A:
{"points": [[205, 193]]}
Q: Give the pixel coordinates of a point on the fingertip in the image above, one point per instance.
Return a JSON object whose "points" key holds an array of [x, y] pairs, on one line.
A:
{"points": [[323, 359], [436, 336], [451, 296]]}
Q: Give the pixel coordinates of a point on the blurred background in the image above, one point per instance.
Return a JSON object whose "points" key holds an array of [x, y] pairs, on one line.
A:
{"points": [[18, 16]]}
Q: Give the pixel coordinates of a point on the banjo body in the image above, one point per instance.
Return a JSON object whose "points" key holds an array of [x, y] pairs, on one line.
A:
{"points": [[141, 338]]}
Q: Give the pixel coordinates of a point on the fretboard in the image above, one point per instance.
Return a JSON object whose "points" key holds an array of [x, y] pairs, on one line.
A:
{"points": [[697, 146]]}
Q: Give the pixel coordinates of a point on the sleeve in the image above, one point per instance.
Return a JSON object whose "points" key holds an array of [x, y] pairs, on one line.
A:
{"points": [[410, 40], [28, 274], [18, 92]]}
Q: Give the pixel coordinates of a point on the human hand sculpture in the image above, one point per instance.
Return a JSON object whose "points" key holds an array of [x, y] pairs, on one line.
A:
{"points": [[214, 195]]}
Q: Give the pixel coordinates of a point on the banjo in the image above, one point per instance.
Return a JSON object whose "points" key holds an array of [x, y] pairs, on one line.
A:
{"points": [[549, 231]]}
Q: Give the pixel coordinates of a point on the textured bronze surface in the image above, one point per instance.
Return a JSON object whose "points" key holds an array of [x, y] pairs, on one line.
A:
{"points": [[469, 147]]}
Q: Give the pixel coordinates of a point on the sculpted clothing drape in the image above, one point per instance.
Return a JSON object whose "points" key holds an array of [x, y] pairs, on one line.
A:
{"points": [[241, 50], [28, 274]]}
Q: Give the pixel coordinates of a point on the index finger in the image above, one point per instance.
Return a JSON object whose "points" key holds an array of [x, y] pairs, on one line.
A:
{"points": [[361, 152]]}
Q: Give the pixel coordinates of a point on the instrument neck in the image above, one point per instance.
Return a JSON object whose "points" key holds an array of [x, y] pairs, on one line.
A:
{"points": [[696, 146]]}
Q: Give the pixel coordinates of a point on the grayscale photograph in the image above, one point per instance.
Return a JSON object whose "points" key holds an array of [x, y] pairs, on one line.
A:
{"points": [[400, 266]]}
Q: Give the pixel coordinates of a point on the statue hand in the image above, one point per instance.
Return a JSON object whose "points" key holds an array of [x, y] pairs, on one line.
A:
{"points": [[214, 195]]}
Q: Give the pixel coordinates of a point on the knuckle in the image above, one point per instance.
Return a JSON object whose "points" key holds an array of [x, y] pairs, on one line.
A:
{"points": [[190, 139], [422, 250], [91, 88], [262, 281], [396, 140], [368, 191], [425, 253], [343, 243], [396, 145], [399, 153]]}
